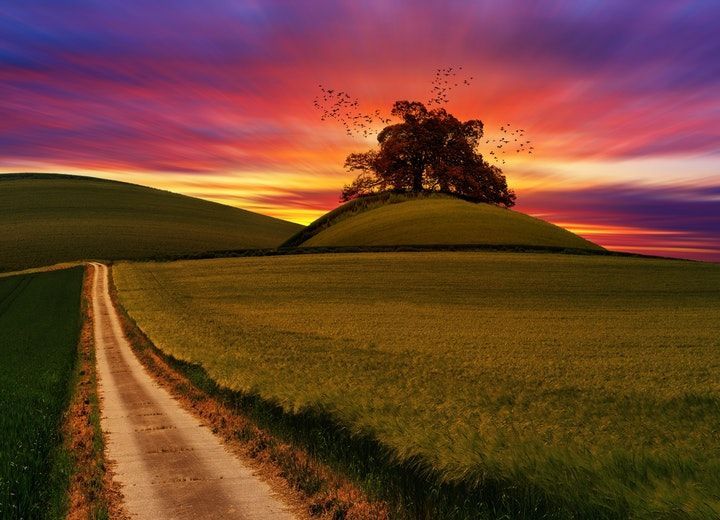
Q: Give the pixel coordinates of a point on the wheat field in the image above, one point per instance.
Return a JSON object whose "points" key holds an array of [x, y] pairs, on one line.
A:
{"points": [[585, 385]]}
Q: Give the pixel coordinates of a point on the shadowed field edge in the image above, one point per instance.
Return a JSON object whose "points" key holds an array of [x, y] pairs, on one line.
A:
{"points": [[284, 251], [305, 479], [420, 248]]}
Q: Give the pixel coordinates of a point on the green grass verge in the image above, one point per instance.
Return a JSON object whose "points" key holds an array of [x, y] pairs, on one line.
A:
{"points": [[397, 220], [39, 326], [47, 219], [91, 488], [95, 486], [464, 385]]}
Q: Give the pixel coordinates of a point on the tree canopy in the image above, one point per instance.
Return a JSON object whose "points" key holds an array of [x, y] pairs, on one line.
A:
{"points": [[429, 151]]}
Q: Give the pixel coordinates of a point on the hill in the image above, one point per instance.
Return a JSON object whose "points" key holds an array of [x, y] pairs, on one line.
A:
{"points": [[432, 220], [49, 218]]}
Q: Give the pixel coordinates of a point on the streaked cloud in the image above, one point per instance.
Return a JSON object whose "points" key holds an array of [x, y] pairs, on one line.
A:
{"points": [[674, 220]]}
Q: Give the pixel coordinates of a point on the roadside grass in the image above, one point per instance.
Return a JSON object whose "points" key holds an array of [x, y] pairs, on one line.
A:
{"points": [[92, 494], [49, 219], [407, 220], [466, 385], [39, 327]]}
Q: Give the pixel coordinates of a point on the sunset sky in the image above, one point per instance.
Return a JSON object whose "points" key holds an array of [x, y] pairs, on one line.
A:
{"points": [[214, 99]]}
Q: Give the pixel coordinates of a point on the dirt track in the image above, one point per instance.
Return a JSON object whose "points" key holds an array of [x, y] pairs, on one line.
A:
{"points": [[168, 464]]}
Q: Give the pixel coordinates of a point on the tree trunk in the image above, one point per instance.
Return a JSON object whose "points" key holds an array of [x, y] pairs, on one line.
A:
{"points": [[417, 181]]}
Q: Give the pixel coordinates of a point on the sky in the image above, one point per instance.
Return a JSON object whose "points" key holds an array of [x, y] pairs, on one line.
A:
{"points": [[214, 99]]}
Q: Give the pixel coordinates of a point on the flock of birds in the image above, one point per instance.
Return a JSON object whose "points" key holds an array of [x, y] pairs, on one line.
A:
{"points": [[444, 81], [511, 139], [345, 109], [340, 106]]}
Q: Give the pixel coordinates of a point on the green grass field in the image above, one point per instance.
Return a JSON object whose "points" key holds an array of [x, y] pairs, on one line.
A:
{"points": [[39, 326], [435, 220], [557, 385], [47, 219]]}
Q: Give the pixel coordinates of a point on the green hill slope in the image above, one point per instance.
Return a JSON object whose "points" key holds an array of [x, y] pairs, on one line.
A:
{"points": [[47, 219], [436, 221]]}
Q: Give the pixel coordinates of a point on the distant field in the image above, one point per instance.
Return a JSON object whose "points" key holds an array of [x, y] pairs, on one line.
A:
{"points": [[39, 326], [437, 220], [581, 387], [46, 219]]}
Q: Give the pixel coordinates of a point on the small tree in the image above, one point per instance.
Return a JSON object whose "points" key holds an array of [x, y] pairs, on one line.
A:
{"points": [[429, 151]]}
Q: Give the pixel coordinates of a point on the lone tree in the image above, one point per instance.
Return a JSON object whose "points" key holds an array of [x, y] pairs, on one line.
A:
{"points": [[429, 151]]}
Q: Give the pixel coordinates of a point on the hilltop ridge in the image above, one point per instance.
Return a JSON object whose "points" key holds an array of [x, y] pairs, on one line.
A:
{"points": [[435, 219]]}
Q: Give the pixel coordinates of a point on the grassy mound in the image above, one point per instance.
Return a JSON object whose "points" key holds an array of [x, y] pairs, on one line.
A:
{"points": [[432, 220], [48, 219]]}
